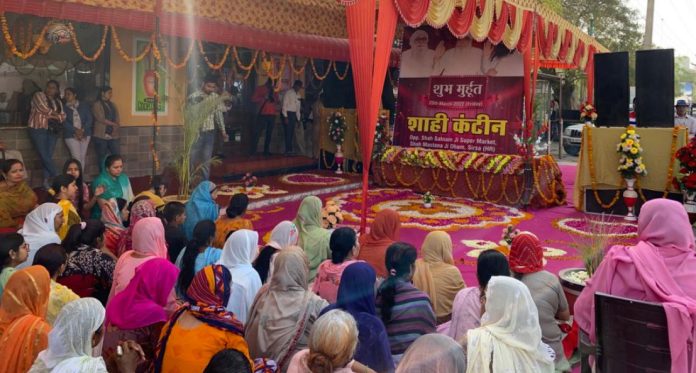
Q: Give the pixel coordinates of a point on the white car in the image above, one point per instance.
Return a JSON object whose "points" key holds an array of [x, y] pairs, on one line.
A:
{"points": [[572, 137]]}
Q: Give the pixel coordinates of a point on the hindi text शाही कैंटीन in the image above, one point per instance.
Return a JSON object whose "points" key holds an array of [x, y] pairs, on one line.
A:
{"points": [[481, 125]]}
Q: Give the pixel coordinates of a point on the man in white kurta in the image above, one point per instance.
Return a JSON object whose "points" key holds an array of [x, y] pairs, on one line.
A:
{"points": [[417, 62], [463, 59]]}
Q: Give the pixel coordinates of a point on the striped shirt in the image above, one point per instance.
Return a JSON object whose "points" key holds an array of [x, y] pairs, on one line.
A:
{"points": [[214, 120], [412, 316], [42, 109]]}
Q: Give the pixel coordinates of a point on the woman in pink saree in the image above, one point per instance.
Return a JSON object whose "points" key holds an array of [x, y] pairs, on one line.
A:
{"points": [[148, 243], [660, 268]]}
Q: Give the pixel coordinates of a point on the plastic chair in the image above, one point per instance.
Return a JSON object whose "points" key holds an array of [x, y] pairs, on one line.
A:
{"points": [[632, 336]]}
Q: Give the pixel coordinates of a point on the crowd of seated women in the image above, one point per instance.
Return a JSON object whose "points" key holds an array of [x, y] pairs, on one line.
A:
{"points": [[100, 280]]}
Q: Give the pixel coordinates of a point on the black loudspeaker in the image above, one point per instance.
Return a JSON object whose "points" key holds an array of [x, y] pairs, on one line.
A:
{"points": [[611, 88], [655, 88]]}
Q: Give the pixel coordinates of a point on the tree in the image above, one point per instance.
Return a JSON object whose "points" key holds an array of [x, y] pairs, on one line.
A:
{"points": [[611, 22], [683, 73]]}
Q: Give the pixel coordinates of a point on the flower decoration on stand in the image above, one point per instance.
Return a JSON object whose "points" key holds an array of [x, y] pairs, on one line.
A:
{"points": [[337, 128], [428, 199], [331, 215], [631, 160], [630, 166], [337, 133], [527, 147], [382, 139], [588, 113], [249, 180], [686, 179]]}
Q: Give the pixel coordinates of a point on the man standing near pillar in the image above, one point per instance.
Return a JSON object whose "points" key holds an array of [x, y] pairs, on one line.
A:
{"points": [[681, 118], [291, 113], [202, 150]]}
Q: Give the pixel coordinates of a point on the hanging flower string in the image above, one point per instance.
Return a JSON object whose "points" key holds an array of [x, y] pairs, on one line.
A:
{"points": [[171, 62], [159, 50], [11, 44], [214, 66], [123, 54], [79, 50], [345, 73]]}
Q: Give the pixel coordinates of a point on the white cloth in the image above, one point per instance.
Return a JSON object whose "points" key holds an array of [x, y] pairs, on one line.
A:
{"points": [[291, 103], [687, 121], [509, 337], [460, 61], [240, 250], [417, 63], [38, 229], [70, 341], [284, 234]]}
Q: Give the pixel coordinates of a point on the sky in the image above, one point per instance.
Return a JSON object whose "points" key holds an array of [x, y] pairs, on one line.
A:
{"points": [[674, 24]]}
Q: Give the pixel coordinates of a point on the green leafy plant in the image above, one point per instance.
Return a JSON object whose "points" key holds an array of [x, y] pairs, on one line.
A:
{"points": [[195, 115], [602, 235], [428, 197]]}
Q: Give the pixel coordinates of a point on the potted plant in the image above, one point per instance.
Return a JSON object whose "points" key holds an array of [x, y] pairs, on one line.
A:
{"points": [[588, 113], [592, 247], [428, 200], [337, 133], [686, 178], [194, 115], [249, 181], [630, 166]]}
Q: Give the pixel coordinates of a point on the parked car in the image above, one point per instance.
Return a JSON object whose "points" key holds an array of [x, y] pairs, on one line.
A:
{"points": [[572, 138]]}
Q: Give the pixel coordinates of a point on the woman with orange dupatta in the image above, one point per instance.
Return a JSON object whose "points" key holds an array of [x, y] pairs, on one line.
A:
{"points": [[202, 326], [384, 231], [23, 326]]}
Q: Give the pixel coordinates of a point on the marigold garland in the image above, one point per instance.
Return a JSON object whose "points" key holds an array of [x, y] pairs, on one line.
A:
{"points": [[13, 47], [269, 70], [214, 66], [78, 48], [593, 178], [299, 71], [345, 73], [251, 65], [183, 63], [123, 54], [314, 70]]}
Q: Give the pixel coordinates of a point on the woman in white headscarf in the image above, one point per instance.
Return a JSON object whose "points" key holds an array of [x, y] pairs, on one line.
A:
{"points": [[509, 338], [39, 229], [239, 252], [285, 234], [78, 328]]}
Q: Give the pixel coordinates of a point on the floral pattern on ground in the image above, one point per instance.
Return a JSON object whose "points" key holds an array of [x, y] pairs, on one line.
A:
{"points": [[581, 227], [255, 192], [257, 214], [448, 214], [480, 246], [312, 179]]}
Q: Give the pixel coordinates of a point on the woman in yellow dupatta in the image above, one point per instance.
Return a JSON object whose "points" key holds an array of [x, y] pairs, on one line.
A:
{"points": [[23, 328], [17, 199], [436, 274], [63, 189]]}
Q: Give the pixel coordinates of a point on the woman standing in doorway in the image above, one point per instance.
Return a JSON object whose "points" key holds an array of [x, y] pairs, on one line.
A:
{"points": [[78, 126]]}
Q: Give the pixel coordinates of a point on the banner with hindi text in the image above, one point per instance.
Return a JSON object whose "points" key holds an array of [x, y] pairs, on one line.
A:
{"points": [[455, 94]]}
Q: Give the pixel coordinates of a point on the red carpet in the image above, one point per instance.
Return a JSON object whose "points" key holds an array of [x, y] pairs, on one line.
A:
{"points": [[473, 225]]}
